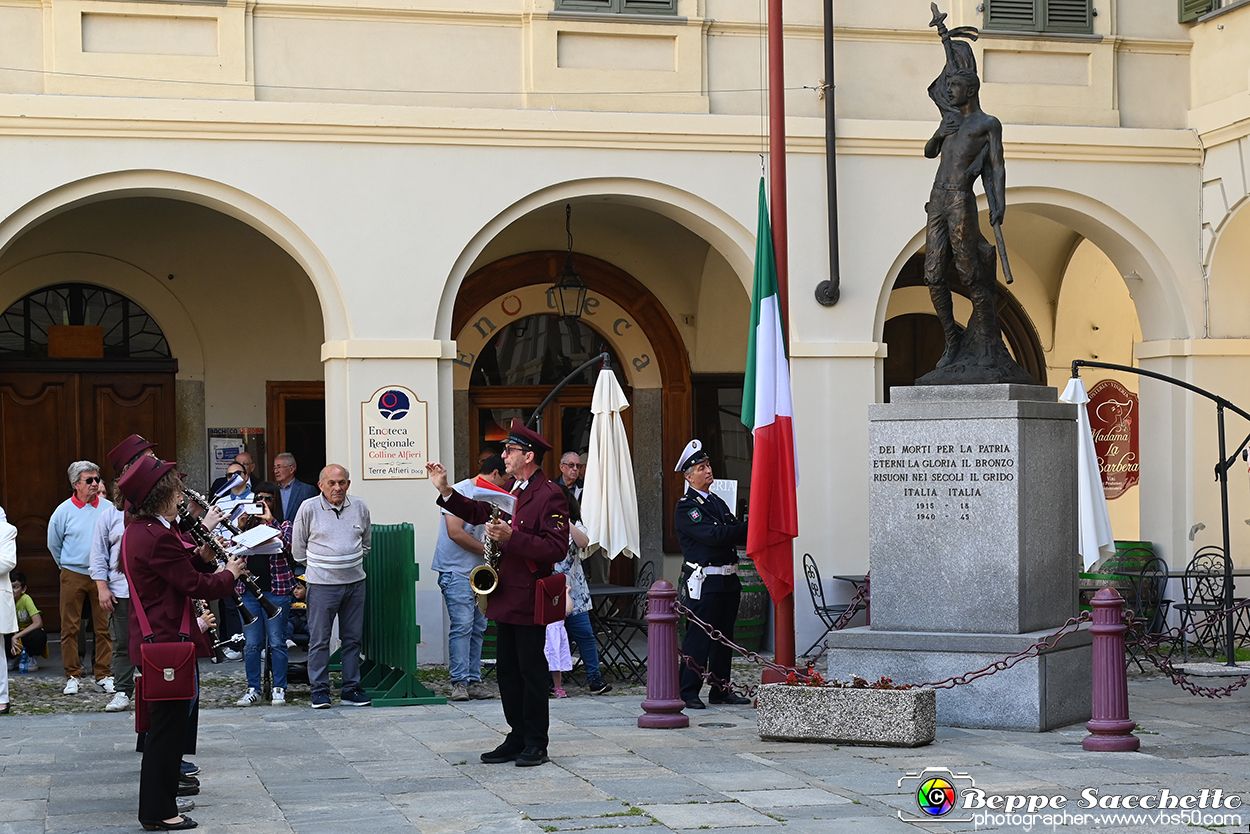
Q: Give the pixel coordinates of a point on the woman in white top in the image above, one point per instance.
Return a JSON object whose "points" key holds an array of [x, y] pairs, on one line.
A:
{"points": [[8, 611]]}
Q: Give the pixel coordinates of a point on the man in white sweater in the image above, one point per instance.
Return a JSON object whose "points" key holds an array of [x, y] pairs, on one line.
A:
{"points": [[332, 534]]}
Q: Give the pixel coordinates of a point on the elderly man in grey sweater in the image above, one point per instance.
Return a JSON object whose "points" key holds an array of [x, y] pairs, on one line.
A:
{"points": [[332, 535]]}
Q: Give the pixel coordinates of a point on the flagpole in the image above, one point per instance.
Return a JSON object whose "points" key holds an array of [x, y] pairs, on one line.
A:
{"points": [[783, 609]]}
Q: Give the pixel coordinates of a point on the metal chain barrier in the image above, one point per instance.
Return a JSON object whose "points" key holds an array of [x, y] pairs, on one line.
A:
{"points": [[744, 690], [1150, 644], [1045, 644]]}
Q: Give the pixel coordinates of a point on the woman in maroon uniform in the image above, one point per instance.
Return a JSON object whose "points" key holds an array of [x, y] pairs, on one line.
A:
{"points": [[164, 577]]}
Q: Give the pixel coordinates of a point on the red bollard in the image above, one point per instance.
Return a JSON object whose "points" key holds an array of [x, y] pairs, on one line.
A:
{"points": [[1111, 730], [663, 706]]}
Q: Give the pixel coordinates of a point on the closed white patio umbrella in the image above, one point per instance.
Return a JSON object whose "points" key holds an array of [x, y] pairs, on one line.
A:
{"points": [[610, 501], [1095, 538]]}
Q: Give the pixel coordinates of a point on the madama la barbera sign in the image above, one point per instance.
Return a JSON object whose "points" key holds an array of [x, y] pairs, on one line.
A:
{"points": [[1113, 419]]}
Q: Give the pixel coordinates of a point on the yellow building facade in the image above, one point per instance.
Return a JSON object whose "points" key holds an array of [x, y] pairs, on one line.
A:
{"points": [[317, 201]]}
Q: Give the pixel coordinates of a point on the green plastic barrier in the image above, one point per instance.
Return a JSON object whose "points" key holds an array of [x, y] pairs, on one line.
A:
{"points": [[391, 633]]}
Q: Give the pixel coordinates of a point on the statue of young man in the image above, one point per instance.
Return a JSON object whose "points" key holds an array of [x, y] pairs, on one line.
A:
{"points": [[969, 145]]}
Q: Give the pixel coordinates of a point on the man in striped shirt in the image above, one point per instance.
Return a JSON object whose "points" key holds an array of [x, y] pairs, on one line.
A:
{"points": [[332, 536]]}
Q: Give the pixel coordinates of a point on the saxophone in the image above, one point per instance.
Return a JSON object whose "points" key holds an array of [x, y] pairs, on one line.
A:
{"points": [[484, 579]]}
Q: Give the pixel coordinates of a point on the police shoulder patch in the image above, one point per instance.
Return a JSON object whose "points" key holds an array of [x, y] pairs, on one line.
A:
{"points": [[695, 515]]}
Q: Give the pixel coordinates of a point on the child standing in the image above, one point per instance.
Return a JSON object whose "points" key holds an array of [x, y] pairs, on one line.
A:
{"points": [[559, 658]]}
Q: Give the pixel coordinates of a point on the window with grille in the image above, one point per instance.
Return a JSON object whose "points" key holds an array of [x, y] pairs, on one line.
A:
{"points": [[129, 332], [1050, 16], [618, 6]]}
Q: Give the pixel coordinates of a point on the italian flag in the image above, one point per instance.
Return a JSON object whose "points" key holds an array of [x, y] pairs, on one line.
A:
{"points": [[767, 409]]}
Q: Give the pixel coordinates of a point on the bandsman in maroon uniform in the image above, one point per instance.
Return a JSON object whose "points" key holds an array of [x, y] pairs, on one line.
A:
{"points": [[535, 539], [164, 575]]}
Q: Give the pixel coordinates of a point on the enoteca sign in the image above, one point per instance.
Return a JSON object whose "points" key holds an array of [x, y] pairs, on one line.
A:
{"points": [[1113, 419], [395, 435]]}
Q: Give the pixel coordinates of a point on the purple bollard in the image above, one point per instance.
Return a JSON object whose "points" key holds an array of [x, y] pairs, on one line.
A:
{"points": [[1111, 730], [663, 706]]}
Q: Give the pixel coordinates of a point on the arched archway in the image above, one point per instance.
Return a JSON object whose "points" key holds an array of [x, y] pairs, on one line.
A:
{"points": [[130, 280], [1161, 306], [217, 196], [728, 235], [916, 347], [1228, 275], [220, 289], [498, 281]]}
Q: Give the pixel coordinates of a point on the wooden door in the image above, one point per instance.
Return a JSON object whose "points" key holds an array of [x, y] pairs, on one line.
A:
{"points": [[50, 420], [296, 423]]}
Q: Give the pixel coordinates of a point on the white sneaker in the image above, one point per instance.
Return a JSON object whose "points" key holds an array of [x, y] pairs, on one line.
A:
{"points": [[120, 703], [231, 654], [279, 697], [185, 804], [291, 644], [105, 685], [251, 699], [71, 687], [32, 665]]}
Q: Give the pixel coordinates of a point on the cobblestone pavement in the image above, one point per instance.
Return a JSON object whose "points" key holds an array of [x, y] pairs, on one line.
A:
{"points": [[382, 770]]}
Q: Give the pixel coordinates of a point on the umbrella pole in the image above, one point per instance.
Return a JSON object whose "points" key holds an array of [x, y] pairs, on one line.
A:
{"points": [[604, 358]]}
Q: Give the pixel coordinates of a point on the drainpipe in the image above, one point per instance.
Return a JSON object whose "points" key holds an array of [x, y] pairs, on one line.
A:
{"points": [[828, 291]]}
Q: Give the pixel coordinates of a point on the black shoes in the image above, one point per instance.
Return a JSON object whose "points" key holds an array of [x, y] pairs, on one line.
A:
{"points": [[354, 697], [598, 687], [531, 757], [188, 786], [160, 825], [502, 753], [696, 703], [730, 699]]}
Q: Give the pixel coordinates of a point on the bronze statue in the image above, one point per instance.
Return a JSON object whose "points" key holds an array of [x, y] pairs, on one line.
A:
{"points": [[968, 144]]}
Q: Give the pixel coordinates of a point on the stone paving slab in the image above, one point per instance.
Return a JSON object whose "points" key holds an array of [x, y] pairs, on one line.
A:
{"points": [[715, 815], [293, 770]]}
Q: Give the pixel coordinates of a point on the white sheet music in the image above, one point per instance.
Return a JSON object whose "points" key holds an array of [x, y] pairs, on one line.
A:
{"points": [[251, 539]]}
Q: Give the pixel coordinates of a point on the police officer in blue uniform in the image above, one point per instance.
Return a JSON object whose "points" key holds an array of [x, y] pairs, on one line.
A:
{"points": [[707, 532]]}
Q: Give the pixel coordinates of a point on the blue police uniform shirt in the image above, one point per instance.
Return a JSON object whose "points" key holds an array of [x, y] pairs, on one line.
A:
{"points": [[708, 532]]}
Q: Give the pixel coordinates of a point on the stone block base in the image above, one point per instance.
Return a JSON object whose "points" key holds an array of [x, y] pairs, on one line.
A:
{"points": [[874, 717], [1037, 694]]}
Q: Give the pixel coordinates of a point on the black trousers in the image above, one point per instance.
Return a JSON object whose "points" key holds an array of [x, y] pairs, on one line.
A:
{"points": [[35, 643], [162, 755], [718, 609], [523, 678]]}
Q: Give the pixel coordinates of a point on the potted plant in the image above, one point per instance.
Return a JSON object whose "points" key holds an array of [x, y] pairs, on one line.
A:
{"points": [[878, 713]]}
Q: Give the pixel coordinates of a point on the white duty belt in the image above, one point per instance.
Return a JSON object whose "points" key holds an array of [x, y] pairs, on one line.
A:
{"points": [[694, 583]]}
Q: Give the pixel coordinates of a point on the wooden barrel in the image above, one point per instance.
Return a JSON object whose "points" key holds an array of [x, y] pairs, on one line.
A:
{"points": [[753, 608]]}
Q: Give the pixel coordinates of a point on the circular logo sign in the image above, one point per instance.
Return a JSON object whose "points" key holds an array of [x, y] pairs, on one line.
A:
{"points": [[936, 797], [393, 405]]}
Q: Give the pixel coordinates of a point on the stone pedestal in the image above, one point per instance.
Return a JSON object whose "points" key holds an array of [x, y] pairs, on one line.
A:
{"points": [[973, 525]]}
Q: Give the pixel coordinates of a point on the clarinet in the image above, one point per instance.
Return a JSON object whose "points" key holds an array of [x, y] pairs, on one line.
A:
{"points": [[198, 531], [206, 504], [214, 634], [203, 537]]}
